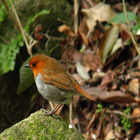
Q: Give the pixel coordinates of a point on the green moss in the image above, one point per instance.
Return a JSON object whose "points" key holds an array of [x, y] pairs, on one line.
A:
{"points": [[41, 127]]}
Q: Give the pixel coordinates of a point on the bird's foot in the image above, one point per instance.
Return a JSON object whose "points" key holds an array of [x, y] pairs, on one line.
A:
{"points": [[51, 113]]}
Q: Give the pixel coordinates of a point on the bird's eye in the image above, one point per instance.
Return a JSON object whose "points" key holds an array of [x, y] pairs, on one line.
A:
{"points": [[34, 64]]}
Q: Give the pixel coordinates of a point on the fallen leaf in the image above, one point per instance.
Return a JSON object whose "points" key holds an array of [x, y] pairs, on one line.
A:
{"points": [[133, 86], [101, 12], [82, 72], [108, 78], [79, 79], [107, 42], [110, 135], [77, 56], [125, 35], [66, 29], [98, 75], [110, 96], [116, 46], [92, 60], [136, 111]]}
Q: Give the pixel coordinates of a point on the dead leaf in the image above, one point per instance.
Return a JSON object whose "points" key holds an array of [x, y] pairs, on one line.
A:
{"points": [[100, 12], [86, 4], [110, 96], [92, 60], [108, 78], [79, 79], [66, 29], [98, 75], [125, 35], [107, 42], [82, 72], [139, 63], [77, 56], [110, 135], [116, 46], [83, 26], [135, 112], [133, 86]]}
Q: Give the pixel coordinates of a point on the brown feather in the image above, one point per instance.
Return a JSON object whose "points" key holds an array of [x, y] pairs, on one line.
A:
{"points": [[80, 90]]}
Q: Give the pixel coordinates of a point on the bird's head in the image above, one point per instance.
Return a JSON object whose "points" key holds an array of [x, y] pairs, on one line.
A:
{"points": [[37, 63]]}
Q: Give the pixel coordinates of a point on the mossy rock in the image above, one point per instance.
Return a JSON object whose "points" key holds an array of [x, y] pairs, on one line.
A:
{"points": [[41, 127]]}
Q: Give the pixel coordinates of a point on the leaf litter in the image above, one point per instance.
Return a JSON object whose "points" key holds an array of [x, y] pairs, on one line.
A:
{"points": [[106, 64]]}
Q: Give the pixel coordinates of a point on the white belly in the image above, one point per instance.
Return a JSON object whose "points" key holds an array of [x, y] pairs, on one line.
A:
{"points": [[52, 93]]}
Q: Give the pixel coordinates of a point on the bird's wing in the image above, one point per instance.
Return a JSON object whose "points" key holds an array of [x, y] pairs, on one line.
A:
{"points": [[64, 81], [60, 80]]}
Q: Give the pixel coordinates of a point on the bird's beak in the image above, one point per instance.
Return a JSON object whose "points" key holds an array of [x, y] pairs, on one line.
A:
{"points": [[27, 65]]}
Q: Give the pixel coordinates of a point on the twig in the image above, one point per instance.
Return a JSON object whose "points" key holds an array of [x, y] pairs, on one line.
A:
{"points": [[49, 38], [116, 112], [70, 111], [123, 114], [21, 28], [127, 20], [9, 119], [31, 44], [76, 9], [29, 109], [10, 13]]}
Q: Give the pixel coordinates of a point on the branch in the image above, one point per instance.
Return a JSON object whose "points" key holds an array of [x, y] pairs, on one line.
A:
{"points": [[21, 29]]}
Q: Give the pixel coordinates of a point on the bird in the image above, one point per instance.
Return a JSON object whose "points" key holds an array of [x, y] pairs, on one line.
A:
{"points": [[54, 82]]}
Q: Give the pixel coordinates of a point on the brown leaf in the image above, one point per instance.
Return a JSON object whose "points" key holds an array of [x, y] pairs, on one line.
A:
{"points": [[77, 56], [107, 42], [110, 96], [86, 4], [79, 79], [66, 29], [133, 86], [109, 78], [110, 135], [92, 60], [135, 112], [83, 26], [125, 35], [100, 12]]}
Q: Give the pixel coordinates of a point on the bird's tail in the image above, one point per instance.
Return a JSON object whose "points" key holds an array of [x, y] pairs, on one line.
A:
{"points": [[80, 90]]}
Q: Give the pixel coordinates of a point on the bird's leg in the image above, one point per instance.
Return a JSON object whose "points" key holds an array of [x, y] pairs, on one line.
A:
{"points": [[54, 109]]}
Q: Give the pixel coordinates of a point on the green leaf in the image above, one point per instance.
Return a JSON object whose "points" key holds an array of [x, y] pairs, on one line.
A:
{"points": [[120, 18], [8, 54], [26, 77], [136, 27]]}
